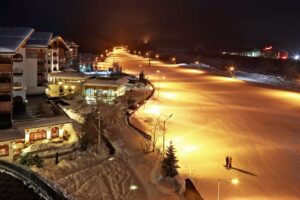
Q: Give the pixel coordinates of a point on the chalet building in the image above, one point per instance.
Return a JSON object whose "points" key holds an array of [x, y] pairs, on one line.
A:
{"points": [[12, 81], [57, 54], [36, 68], [73, 50], [92, 89]]}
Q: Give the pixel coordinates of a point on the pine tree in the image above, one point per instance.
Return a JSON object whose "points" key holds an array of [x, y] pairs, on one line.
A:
{"points": [[169, 163]]}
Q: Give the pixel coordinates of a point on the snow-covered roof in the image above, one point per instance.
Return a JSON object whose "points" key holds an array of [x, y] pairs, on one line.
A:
{"points": [[59, 38], [11, 39], [39, 40], [42, 122], [68, 75], [107, 83]]}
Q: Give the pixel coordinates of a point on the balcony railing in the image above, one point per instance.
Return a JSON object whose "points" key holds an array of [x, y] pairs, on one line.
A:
{"points": [[18, 72], [5, 106], [18, 86], [41, 61], [5, 68], [5, 87]]}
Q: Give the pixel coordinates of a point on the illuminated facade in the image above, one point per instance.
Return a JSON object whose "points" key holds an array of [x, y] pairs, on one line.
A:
{"points": [[57, 53]]}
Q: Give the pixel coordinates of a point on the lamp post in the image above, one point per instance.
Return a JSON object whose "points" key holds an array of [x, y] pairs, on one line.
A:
{"points": [[231, 70], [174, 60], [158, 85], [233, 181], [164, 136], [99, 132]]}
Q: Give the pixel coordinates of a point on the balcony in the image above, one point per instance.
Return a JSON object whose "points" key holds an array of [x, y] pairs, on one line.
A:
{"points": [[5, 68], [5, 78], [18, 86], [5, 87], [18, 72], [5, 106], [41, 61]]}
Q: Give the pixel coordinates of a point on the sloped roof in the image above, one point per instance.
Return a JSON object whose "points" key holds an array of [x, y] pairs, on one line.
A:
{"points": [[11, 39], [108, 83], [68, 75], [59, 38], [39, 40]]}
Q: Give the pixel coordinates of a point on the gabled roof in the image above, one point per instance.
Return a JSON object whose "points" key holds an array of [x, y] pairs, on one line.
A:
{"points": [[39, 40], [59, 38], [11, 39]]}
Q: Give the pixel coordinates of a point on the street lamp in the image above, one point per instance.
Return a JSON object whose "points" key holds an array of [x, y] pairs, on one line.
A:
{"points": [[157, 56], [174, 60], [164, 136], [231, 70], [233, 181]]}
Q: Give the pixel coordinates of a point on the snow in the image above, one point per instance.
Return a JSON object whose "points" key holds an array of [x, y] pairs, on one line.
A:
{"points": [[68, 75], [267, 79], [12, 38], [216, 116], [129, 174], [111, 83], [39, 39]]}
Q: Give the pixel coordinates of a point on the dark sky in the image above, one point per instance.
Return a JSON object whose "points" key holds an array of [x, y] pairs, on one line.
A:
{"points": [[224, 23]]}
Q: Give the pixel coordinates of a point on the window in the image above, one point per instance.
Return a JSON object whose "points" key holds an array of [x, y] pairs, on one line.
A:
{"points": [[49, 62], [54, 54], [39, 134], [18, 58], [54, 132], [55, 62], [4, 150]]}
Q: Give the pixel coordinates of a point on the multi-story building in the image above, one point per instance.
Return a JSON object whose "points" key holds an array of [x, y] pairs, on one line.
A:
{"points": [[36, 67], [12, 84], [57, 54], [73, 50]]}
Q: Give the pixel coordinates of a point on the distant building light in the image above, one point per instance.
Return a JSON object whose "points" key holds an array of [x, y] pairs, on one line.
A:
{"points": [[268, 48], [296, 57]]}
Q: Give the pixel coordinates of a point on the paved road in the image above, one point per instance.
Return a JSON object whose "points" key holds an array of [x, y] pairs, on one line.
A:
{"points": [[216, 116]]}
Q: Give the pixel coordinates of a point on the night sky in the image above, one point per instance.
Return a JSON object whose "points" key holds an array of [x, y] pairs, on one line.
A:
{"points": [[223, 24]]}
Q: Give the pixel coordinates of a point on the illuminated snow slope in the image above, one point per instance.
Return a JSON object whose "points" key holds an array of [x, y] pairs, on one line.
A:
{"points": [[216, 116]]}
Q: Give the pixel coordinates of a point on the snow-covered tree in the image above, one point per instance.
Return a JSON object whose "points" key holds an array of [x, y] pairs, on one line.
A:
{"points": [[169, 163]]}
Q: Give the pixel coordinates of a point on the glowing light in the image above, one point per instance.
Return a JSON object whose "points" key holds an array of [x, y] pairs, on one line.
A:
{"points": [[73, 87], [66, 86], [168, 95], [296, 57], [157, 56], [158, 71], [268, 48], [235, 181], [197, 62], [153, 109], [111, 159], [133, 187], [231, 68], [60, 83]]}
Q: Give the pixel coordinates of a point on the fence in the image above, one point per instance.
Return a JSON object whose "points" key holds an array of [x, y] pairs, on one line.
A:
{"points": [[128, 115], [40, 185]]}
